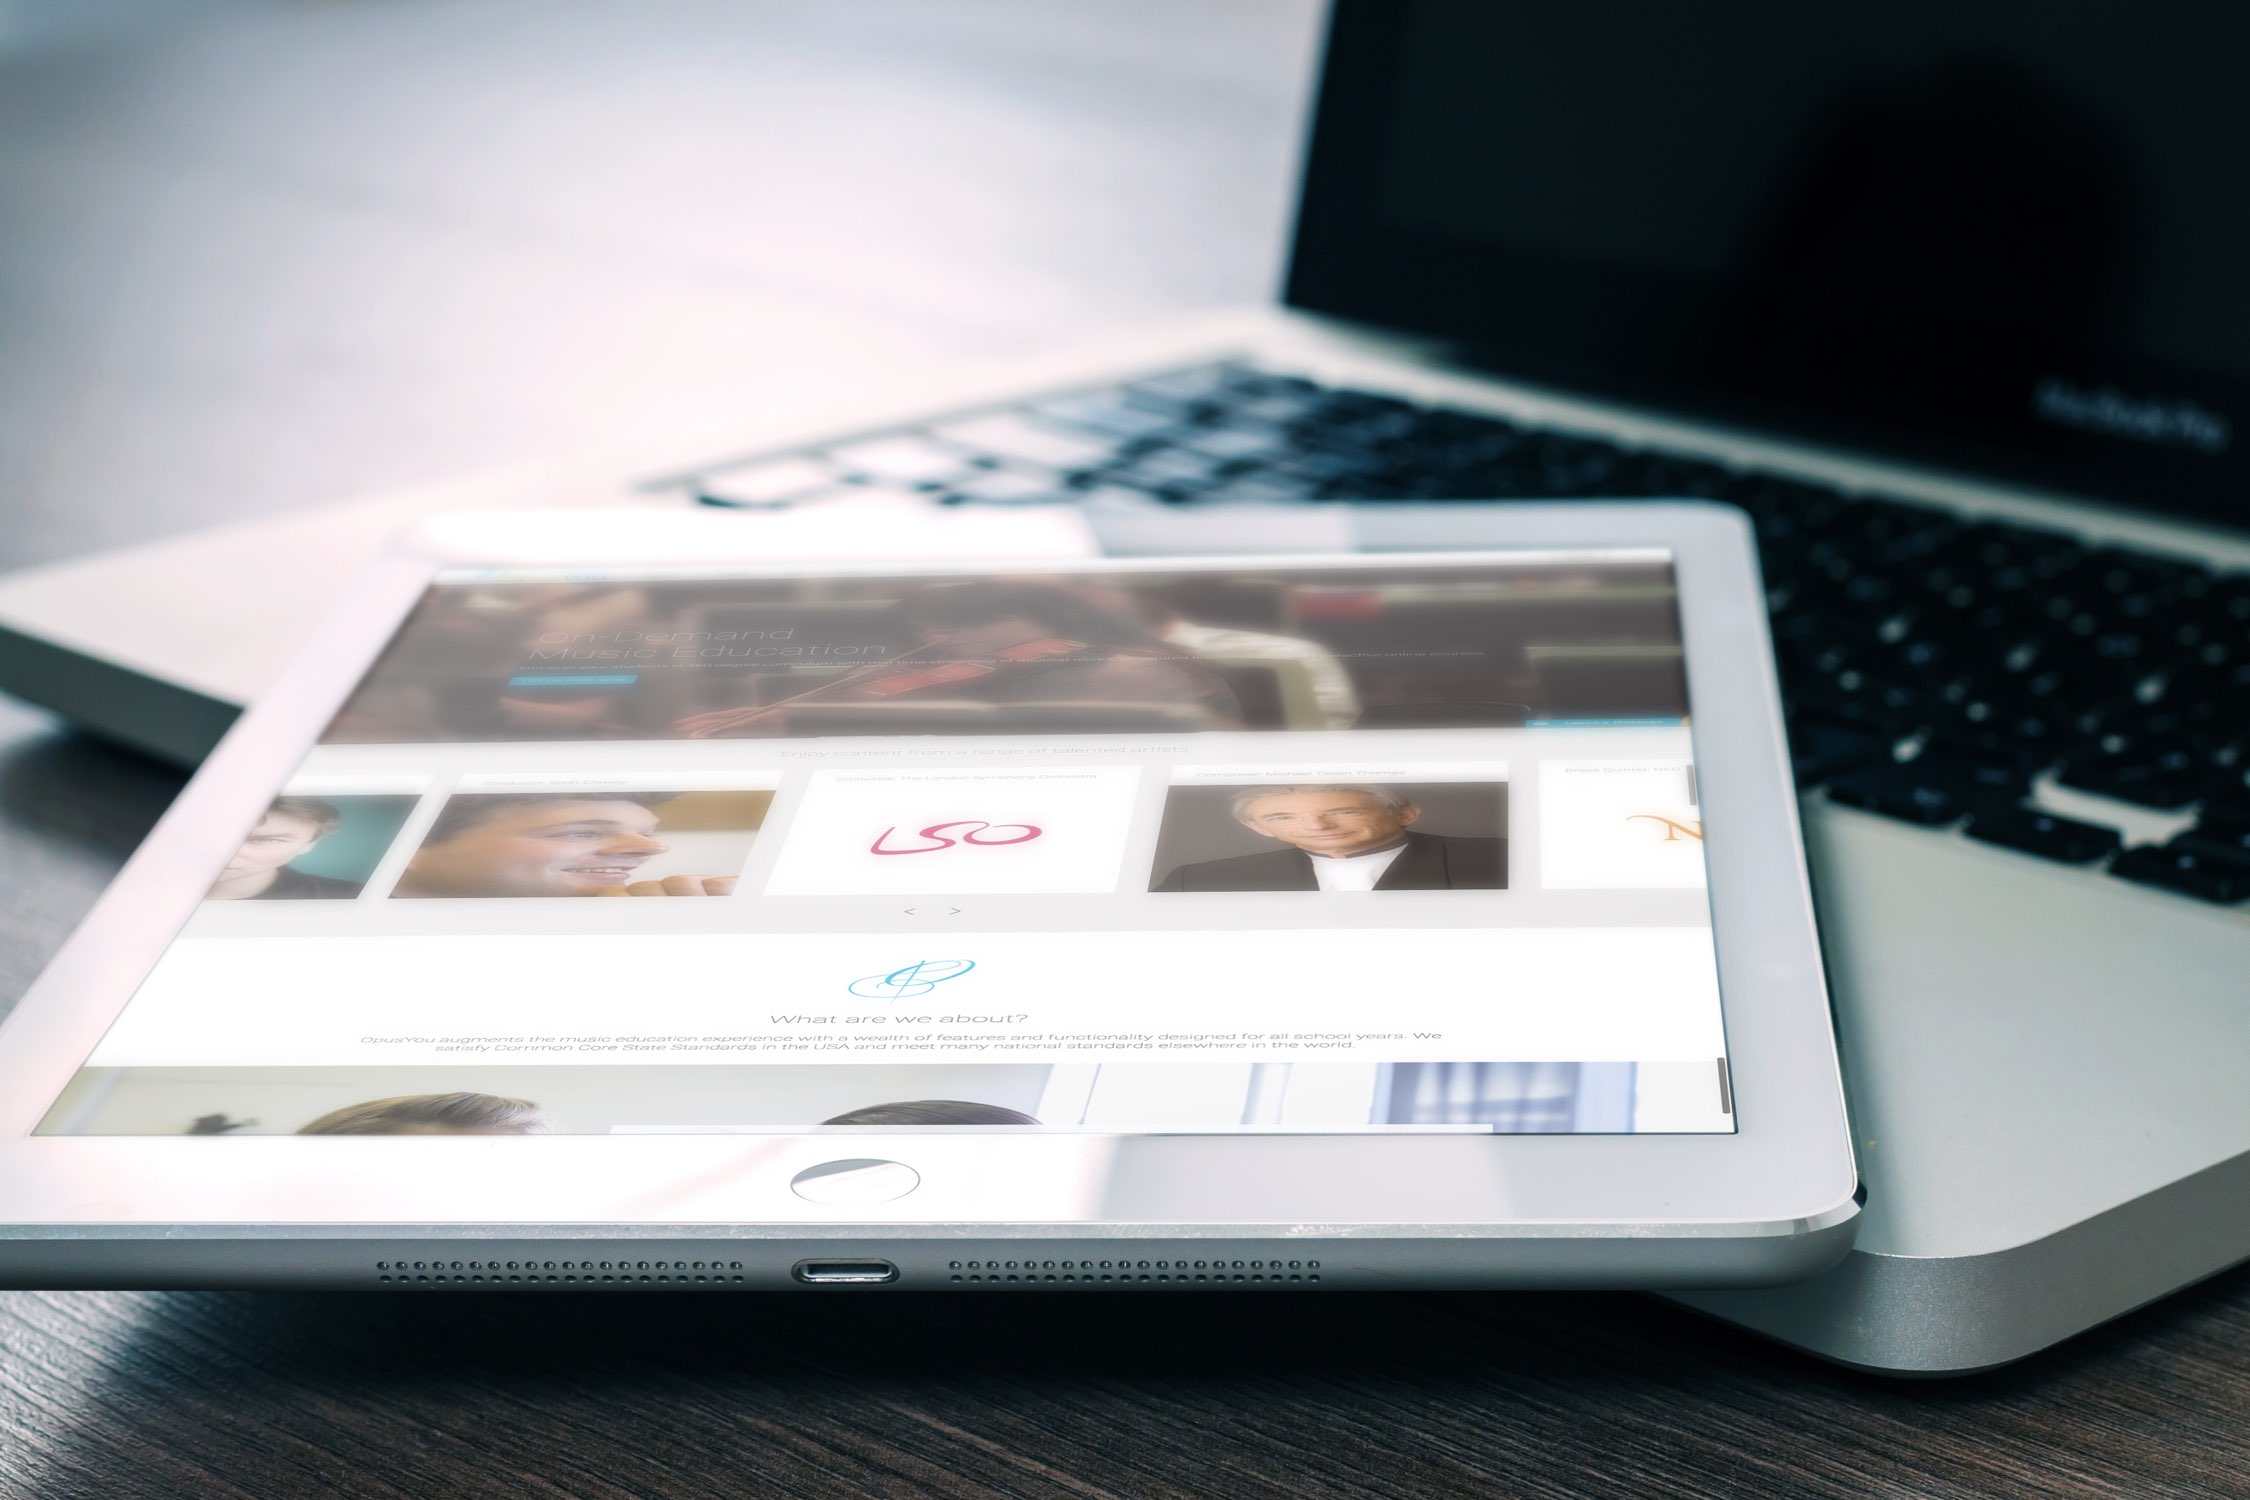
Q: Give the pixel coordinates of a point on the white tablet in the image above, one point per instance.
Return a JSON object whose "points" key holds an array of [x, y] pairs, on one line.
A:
{"points": [[639, 913]]}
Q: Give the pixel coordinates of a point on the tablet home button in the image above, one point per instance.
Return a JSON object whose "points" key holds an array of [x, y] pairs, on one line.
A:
{"points": [[861, 1179]]}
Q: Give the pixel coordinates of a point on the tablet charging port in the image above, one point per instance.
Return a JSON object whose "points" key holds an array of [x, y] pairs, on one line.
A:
{"points": [[845, 1272]]}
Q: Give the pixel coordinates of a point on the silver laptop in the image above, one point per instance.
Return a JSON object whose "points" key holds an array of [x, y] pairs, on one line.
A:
{"points": [[1948, 301]]}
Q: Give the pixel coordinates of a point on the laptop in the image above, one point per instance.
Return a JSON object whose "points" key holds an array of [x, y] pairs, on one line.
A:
{"points": [[1945, 298]]}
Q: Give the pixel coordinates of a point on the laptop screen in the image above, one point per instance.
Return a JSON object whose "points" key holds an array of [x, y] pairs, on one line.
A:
{"points": [[2002, 236]]}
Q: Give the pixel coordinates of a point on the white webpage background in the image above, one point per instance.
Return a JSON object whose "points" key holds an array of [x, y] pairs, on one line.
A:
{"points": [[1584, 994]]}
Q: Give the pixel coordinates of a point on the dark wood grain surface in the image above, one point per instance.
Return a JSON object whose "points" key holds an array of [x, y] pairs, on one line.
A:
{"points": [[261, 254]]}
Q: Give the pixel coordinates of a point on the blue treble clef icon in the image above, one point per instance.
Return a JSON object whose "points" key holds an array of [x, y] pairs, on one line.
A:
{"points": [[917, 978]]}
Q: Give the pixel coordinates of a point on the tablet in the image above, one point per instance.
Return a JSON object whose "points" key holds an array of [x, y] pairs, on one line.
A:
{"points": [[655, 914]]}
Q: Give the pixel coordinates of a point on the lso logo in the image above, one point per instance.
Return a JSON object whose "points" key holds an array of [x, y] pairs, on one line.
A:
{"points": [[917, 978], [976, 832]]}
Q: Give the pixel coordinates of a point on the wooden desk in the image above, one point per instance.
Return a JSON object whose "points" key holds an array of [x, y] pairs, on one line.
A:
{"points": [[291, 252]]}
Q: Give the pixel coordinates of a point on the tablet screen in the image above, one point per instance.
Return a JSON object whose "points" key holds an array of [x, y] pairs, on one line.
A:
{"points": [[1358, 847]]}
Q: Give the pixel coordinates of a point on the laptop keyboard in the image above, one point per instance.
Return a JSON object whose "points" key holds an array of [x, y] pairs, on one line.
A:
{"points": [[1933, 667]]}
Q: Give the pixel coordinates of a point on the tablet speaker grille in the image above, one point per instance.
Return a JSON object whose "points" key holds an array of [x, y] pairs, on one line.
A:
{"points": [[1119, 1272], [1134, 1273], [594, 1273]]}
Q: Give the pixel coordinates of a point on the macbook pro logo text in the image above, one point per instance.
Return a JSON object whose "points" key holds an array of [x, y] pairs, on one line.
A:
{"points": [[2173, 421], [945, 836]]}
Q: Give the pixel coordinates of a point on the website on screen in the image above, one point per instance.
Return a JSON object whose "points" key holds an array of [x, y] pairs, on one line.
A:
{"points": [[1292, 847]]}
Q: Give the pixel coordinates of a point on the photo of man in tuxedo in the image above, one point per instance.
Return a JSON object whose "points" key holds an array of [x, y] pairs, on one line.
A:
{"points": [[1343, 838]]}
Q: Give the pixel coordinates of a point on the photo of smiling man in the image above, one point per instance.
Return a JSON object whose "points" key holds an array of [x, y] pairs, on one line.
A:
{"points": [[1336, 837], [585, 843]]}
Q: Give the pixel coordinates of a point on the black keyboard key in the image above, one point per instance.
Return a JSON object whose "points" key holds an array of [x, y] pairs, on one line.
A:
{"points": [[1953, 743], [1913, 532], [1106, 413], [1245, 444], [1904, 792], [2229, 783], [1006, 487], [1451, 428], [2188, 868], [1794, 521], [2122, 573], [2147, 777], [2227, 600], [1275, 409], [2044, 834], [1870, 526], [1169, 473], [2051, 691], [1819, 749], [1854, 697], [1867, 591], [2225, 828], [2220, 677], [1921, 658], [1795, 620], [1377, 439], [2115, 722], [1981, 776], [2022, 736]]}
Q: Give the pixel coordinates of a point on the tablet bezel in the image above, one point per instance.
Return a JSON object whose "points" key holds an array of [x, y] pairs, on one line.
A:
{"points": [[1787, 1170]]}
